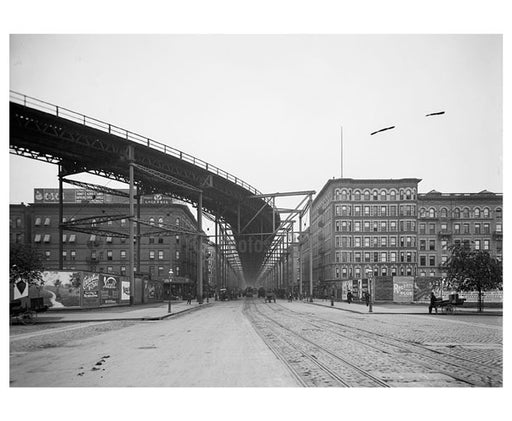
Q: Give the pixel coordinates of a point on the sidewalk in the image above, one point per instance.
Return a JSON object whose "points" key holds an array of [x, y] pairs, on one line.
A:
{"points": [[155, 311], [394, 308]]}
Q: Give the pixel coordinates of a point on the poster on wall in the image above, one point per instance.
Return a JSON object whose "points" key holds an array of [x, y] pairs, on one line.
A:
{"points": [[423, 286], [90, 290], [110, 289], [61, 289], [125, 290], [403, 289]]}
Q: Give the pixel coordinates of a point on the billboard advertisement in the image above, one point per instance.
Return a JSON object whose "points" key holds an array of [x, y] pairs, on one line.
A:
{"points": [[110, 289], [91, 290], [403, 289], [61, 289], [43, 195], [125, 290]]}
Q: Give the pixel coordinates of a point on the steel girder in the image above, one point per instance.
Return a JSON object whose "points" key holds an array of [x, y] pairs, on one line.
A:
{"points": [[80, 148]]}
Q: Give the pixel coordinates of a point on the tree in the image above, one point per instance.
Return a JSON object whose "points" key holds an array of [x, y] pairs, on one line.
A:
{"points": [[25, 263], [473, 270]]}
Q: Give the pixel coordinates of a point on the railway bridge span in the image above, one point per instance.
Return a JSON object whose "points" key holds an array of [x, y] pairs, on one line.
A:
{"points": [[79, 144]]}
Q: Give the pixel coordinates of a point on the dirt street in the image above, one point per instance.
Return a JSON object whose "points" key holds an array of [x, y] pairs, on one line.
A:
{"points": [[213, 347]]}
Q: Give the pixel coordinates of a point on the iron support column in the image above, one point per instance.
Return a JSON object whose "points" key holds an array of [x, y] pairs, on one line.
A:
{"points": [[138, 231], [200, 249], [217, 283], [300, 255], [310, 249], [132, 230], [61, 216]]}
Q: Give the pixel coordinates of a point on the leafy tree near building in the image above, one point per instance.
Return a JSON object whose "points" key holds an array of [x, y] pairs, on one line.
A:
{"points": [[473, 270], [25, 263]]}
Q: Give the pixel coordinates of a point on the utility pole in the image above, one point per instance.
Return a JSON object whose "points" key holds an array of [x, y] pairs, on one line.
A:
{"points": [[132, 230], [341, 141], [200, 249]]}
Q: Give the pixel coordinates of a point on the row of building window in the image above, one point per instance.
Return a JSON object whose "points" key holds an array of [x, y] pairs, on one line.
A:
{"points": [[382, 195], [375, 257], [458, 228], [374, 226], [46, 221], [410, 226], [380, 241], [159, 271], [406, 241], [93, 238], [466, 213], [375, 210], [357, 272], [153, 254]]}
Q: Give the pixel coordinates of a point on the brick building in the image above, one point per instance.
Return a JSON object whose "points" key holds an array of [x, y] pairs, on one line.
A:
{"points": [[383, 228], [159, 249]]}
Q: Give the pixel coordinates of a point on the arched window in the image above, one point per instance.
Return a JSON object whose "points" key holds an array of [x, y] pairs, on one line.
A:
{"points": [[177, 221], [383, 195], [344, 195], [367, 195], [384, 271], [152, 221], [486, 213], [408, 194], [337, 194], [465, 213], [477, 213], [392, 195], [160, 222], [444, 213], [357, 195], [375, 195], [422, 213], [432, 213], [456, 213], [499, 213]]}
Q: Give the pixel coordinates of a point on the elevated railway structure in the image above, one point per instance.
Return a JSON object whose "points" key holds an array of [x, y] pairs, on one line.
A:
{"points": [[81, 144]]}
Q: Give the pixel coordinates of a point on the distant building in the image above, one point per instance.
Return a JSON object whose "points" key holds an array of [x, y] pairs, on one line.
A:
{"points": [[472, 219], [104, 247], [384, 227]]}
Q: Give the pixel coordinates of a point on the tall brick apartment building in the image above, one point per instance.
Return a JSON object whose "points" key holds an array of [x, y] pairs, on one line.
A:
{"points": [[363, 227], [38, 224]]}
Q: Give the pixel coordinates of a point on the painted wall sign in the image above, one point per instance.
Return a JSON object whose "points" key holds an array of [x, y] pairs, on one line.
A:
{"points": [[110, 289]]}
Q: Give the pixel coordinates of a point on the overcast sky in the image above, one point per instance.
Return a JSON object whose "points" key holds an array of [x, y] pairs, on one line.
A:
{"points": [[269, 108]]}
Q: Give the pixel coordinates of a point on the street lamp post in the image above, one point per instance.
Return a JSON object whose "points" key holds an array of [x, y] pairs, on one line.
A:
{"points": [[170, 290], [369, 273], [371, 292]]}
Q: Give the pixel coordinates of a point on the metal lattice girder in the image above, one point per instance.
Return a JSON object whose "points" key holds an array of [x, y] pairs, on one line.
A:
{"points": [[167, 178], [98, 231], [96, 187], [167, 228], [29, 153], [93, 220]]}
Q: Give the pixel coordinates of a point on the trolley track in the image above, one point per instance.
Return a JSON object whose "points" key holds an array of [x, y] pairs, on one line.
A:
{"points": [[461, 369], [311, 363]]}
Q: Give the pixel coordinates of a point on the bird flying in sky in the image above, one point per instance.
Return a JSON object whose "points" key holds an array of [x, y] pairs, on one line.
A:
{"points": [[381, 130]]}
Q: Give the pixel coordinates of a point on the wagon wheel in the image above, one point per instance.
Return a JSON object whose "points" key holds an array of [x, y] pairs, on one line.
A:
{"points": [[28, 318]]}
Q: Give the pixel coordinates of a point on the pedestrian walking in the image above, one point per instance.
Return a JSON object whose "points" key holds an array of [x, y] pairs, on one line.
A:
{"points": [[367, 298], [432, 305], [349, 297], [189, 298]]}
